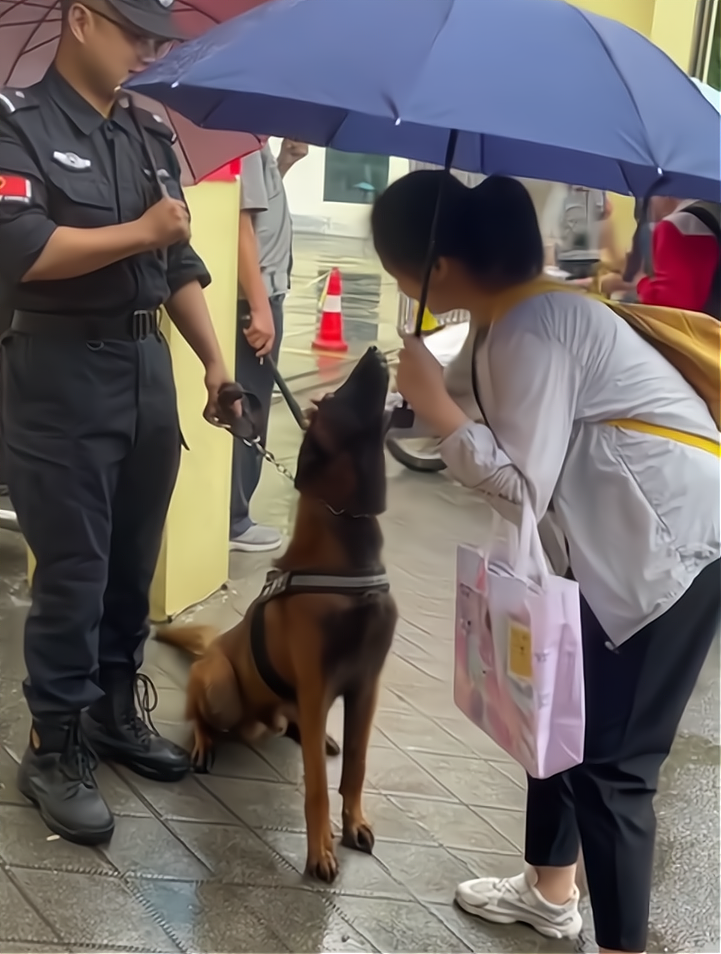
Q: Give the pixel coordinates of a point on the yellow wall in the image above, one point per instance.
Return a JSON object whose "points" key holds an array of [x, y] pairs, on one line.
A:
{"points": [[673, 27], [634, 13], [194, 560]]}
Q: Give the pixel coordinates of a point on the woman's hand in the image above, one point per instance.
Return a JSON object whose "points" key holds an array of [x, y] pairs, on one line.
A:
{"points": [[420, 380], [613, 282]]}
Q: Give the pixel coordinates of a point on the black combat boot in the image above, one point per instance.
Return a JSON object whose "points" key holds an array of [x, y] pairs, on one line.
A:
{"points": [[117, 732], [56, 774]]}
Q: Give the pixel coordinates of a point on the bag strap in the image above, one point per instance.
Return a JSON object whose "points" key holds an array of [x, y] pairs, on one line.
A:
{"points": [[705, 216], [670, 433], [530, 546], [542, 287], [474, 372]]}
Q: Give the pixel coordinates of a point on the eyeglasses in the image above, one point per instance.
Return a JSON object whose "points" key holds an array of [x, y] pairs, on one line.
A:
{"points": [[146, 45]]}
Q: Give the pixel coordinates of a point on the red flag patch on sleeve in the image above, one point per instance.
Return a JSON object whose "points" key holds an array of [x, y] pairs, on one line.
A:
{"points": [[15, 189]]}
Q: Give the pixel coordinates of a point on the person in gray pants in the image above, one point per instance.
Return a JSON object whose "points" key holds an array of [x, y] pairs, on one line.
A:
{"points": [[265, 259]]}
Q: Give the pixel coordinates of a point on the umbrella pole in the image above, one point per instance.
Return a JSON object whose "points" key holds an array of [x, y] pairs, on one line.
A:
{"points": [[431, 260], [403, 417]]}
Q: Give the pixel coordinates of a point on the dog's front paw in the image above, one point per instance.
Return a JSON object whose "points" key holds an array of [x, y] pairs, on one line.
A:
{"points": [[202, 758], [358, 835], [322, 865]]}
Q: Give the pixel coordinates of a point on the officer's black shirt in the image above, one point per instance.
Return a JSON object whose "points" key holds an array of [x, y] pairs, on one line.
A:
{"points": [[84, 171]]}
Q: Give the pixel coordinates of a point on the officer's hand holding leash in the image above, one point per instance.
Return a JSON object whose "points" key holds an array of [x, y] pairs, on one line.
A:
{"points": [[222, 409], [239, 411]]}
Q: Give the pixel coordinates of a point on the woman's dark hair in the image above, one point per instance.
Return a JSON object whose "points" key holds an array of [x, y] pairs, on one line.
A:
{"points": [[492, 229]]}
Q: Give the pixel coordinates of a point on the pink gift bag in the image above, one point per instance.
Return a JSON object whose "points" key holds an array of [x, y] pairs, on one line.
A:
{"points": [[518, 654]]}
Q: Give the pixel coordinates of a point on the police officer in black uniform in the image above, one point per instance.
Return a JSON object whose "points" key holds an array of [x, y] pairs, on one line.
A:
{"points": [[94, 233]]}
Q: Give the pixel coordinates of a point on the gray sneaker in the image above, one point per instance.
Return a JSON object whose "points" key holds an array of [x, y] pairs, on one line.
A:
{"points": [[257, 539], [508, 900]]}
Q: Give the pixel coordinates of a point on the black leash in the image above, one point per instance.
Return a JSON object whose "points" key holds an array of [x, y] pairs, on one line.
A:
{"points": [[246, 426], [295, 409]]}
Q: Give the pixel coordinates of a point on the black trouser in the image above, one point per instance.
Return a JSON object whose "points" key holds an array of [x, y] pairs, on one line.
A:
{"points": [[635, 697], [93, 448], [256, 377], [3, 455], [6, 314]]}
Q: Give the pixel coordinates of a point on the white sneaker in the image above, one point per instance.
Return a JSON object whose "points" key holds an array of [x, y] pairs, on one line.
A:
{"points": [[257, 539], [508, 900]]}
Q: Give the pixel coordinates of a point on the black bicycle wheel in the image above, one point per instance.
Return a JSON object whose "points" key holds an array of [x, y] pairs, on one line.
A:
{"points": [[421, 463]]}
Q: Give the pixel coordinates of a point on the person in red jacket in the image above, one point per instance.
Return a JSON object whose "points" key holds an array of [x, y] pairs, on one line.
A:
{"points": [[685, 255]]}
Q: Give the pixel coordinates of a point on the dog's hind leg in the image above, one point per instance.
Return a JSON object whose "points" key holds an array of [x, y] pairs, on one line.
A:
{"points": [[312, 715], [331, 746], [359, 709]]}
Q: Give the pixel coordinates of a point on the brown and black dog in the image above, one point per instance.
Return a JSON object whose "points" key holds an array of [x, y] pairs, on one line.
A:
{"points": [[323, 624]]}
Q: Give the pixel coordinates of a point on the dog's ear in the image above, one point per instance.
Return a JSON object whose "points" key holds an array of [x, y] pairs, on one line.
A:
{"points": [[326, 426]]}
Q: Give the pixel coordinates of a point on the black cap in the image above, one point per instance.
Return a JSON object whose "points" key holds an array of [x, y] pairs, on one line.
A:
{"points": [[151, 17]]}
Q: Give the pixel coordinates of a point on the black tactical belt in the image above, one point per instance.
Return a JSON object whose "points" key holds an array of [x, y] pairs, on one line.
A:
{"points": [[133, 327]]}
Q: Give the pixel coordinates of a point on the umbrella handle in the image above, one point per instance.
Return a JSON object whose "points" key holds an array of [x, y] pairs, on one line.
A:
{"points": [[150, 156], [431, 259]]}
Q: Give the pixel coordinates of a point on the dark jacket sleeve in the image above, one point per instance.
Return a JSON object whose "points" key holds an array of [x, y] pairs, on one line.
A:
{"points": [[184, 264], [25, 227]]}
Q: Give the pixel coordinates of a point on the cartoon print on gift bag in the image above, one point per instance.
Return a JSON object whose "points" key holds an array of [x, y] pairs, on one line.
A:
{"points": [[485, 639], [462, 683], [484, 629], [500, 723], [474, 664], [481, 658]]}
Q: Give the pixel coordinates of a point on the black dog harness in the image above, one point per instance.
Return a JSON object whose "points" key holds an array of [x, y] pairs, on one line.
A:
{"points": [[277, 584]]}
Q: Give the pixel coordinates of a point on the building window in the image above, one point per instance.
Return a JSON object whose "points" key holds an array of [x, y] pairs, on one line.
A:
{"points": [[714, 64], [354, 177]]}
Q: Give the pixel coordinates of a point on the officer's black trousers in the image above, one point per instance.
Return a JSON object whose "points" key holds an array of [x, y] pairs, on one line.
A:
{"points": [[635, 697], [93, 448]]}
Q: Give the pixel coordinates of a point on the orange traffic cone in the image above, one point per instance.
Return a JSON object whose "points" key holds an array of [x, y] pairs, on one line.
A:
{"points": [[330, 330]]}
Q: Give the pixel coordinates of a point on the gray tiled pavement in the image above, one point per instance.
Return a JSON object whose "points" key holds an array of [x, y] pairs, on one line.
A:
{"points": [[214, 863]]}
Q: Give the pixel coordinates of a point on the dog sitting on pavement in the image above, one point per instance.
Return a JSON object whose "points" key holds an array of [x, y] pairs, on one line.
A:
{"points": [[323, 624]]}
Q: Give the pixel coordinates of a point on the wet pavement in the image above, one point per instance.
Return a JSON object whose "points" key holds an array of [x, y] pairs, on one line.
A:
{"points": [[214, 864], [370, 307]]}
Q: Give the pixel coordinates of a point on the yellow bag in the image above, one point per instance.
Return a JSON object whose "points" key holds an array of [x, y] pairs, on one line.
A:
{"points": [[689, 340]]}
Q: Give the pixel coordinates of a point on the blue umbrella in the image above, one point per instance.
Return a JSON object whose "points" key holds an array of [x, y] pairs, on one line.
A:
{"points": [[535, 88]]}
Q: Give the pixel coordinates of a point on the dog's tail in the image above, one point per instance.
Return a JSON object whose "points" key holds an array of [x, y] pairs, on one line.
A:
{"points": [[194, 640]]}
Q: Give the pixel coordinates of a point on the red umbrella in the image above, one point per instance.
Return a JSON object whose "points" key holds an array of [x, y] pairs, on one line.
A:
{"points": [[29, 31]]}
